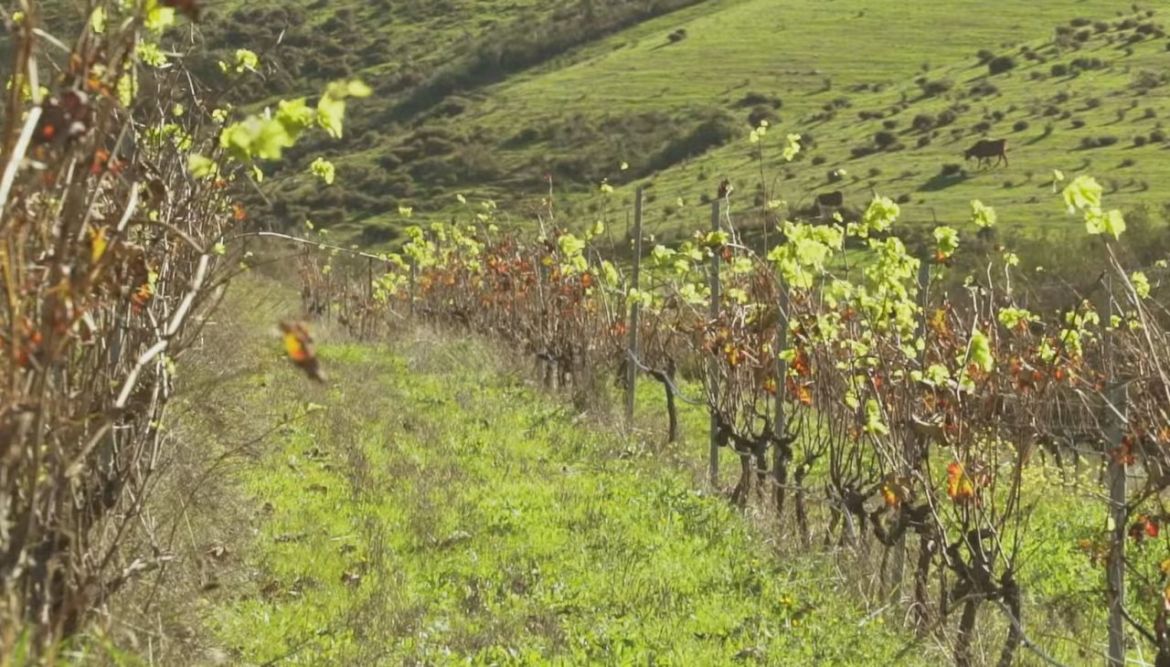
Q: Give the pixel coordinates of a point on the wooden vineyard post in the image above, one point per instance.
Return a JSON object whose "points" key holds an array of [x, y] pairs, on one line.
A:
{"points": [[413, 282], [368, 310], [632, 354], [1118, 515], [714, 377], [1115, 416], [780, 426]]}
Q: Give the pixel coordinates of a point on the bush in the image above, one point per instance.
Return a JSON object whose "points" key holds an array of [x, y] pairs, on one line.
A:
{"points": [[717, 129], [757, 99], [1101, 26], [982, 126], [1020, 125], [1107, 140], [951, 169], [1060, 69], [946, 117], [389, 161], [984, 89], [1086, 64], [889, 123], [1000, 64], [1079, 22], [924, 141], [922, 122], [1128, 162], [1078, 123], [1157, 136], [762, 113], [885, 139], [818, 160], [862, 151], [936, 88], [985, 56]]}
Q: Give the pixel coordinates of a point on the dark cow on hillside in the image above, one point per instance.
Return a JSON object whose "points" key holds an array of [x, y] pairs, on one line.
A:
{"points": [[829, 203], [985, 149]]}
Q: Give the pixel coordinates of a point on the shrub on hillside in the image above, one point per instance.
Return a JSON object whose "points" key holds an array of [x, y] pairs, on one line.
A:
{"points": [[1085, 64], [761, 113], [716, 130], [922, 122], [884, 139], [753, 99], [984, 89], [937, 87], [1000, 64], [1020, 125]]}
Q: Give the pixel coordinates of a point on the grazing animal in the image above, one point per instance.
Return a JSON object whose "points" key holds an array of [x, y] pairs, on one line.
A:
{"points": [[830, 202], [985, 149]]}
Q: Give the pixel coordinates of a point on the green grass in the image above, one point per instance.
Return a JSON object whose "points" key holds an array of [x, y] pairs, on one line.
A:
{"points": [[486, 526]]}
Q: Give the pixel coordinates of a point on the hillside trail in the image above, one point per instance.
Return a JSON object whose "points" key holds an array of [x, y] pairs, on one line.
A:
{"points": [[429, 505]]}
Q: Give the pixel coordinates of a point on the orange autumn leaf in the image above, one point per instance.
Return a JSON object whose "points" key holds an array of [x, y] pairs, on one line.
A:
{"points": [[770, 386], [890, 496], [143, 294], [1145, 526], [960, 488], [100, 157]]}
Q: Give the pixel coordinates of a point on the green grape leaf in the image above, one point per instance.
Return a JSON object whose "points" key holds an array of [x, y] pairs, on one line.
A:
{"points": [[982, 215]]}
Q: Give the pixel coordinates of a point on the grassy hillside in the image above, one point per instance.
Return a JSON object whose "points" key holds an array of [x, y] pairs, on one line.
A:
{"points": [[476, 101]]}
